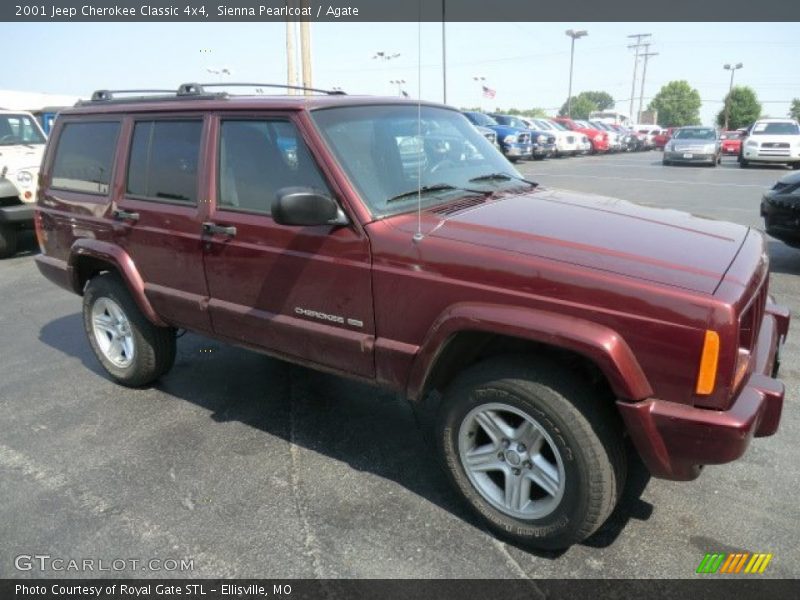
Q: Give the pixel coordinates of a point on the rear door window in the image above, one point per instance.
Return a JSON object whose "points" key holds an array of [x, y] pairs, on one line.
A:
{"points": [[163, 160], [84, 157]]}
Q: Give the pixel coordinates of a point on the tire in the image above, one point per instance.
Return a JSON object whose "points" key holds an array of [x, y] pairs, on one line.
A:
{"points": [[8, 241], [743, 164], [580, 455], [796, 165], [135, 353], [665, 162]]}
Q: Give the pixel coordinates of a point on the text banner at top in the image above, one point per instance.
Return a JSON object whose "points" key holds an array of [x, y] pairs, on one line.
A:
{"points": [[403, 10]]}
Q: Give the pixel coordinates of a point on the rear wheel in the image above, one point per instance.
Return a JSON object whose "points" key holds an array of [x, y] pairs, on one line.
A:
{"points": [[133, 350], [744, 163], [8, 241], [536, 453]]}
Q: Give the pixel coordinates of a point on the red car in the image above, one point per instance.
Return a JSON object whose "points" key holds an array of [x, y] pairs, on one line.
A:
{"points": [[660, 139], [598, 139], [534, 331], [731, 142]]}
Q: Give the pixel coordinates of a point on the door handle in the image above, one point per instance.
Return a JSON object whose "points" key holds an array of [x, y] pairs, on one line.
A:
{"points": [[124, 215], [213, 228]]}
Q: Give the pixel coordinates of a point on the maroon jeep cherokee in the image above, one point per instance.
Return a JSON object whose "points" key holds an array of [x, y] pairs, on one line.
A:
{"points": [[532, 329]]}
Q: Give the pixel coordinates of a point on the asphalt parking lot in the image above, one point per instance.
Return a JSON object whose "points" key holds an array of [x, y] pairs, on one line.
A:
{"points": [[256, 468]]}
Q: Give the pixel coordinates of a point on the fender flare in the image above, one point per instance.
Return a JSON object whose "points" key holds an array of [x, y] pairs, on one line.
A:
{"points": [[122, 262], [603, 346]]}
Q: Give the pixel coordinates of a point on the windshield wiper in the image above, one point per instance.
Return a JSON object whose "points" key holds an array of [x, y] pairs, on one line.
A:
{"points": [[435, 187], [502, 177]]}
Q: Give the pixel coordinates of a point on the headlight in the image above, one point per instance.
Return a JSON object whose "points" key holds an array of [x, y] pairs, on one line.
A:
{"points": [[510, 139], [541, 139], [24, 177], [752, 143], [670, 147], [709, 148]]}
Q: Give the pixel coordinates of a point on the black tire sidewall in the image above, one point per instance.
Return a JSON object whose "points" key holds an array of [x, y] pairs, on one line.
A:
{"points": [[8, 241], [555, 530], [145, 365]]}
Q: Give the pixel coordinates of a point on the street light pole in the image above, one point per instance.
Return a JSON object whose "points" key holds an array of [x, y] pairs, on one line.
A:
{"points": [[732, 69], [384, 56], [399, 83], [575, 35]]}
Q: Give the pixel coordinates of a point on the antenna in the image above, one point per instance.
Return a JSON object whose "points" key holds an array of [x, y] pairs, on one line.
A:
{"points": [[418, 236]]}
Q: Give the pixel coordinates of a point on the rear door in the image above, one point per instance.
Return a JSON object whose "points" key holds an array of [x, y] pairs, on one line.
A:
{"points": [[299, 292], [159, 214]]}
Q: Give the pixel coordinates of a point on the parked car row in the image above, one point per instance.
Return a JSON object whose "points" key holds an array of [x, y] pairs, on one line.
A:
{"points": [[522, 138]]}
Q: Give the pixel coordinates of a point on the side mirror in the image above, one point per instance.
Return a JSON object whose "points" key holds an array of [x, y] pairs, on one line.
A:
{"points": [[306, 207]]}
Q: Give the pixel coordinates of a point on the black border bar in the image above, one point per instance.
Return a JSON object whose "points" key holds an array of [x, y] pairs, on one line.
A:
{"points": [[707, 587], [401, 10]]}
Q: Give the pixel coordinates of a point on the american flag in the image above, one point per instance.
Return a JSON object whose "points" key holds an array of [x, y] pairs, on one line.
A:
{"points": [[488, 92]]}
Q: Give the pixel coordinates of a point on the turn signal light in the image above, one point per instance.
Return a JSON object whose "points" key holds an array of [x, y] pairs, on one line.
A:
{"points": [[707, 376]]}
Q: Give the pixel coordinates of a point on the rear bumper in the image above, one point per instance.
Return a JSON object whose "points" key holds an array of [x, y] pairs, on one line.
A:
{"points": [[18, 214], [676, 440]]}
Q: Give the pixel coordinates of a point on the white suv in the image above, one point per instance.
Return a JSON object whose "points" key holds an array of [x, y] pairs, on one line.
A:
{"points": [[772, 140], [21, 148]]}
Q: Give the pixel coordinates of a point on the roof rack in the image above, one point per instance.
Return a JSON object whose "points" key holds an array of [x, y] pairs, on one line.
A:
{"points": [[187, 90], [199, 88]]}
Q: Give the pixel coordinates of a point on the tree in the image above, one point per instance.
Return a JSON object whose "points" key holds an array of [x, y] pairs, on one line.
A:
{"points": [[581, 107], [794, 110], [533, 113], [743, 107], [677, 104], [587, 102], [603, 100]]}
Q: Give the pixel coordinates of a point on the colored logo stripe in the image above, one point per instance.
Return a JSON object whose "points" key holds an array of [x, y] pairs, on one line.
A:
{"points": [[733, 563]]}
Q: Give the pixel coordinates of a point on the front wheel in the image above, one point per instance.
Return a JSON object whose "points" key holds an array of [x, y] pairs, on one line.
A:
{"points": [[536, 453], [131, 349]]}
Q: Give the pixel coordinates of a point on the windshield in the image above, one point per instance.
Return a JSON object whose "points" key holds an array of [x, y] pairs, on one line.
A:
{"points": [[695, 134], [380, 149], [510, 121], [785, 128], [558, 125], [543, 125], [730, 135], [481, 119], [19, 129]]}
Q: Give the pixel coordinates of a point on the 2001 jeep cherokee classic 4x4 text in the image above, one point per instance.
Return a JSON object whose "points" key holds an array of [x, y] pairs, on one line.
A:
{"points": [[532, 329]]}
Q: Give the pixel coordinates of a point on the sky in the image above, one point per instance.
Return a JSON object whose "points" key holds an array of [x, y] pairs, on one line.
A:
{"points": [[526, 63]]}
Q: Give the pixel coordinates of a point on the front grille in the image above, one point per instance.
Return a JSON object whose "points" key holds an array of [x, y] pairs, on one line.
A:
{"points": [[551, 139], [775, 145], [524, 138], [774, 152], [750, 320]]}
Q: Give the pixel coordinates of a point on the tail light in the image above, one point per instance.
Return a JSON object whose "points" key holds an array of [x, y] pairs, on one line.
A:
{"points": [[41, 234]]}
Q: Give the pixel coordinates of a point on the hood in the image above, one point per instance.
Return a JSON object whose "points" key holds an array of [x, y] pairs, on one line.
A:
{"points": [[606, 234], [14, 158], [503, 130]]}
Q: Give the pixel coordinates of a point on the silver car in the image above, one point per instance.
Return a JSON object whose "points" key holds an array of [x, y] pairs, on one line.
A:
{"points": [[693, 145]]}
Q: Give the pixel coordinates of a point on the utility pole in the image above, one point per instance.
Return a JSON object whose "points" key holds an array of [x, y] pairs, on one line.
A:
{"points": [[646, 56], [732, 69], [639, 37], [291, 68], [305, 50], [444, 56]]}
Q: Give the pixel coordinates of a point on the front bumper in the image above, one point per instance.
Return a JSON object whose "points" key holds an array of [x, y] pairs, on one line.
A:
{"points": [[777, 155], [676, 440], [543, 149], [731, 149], [689, 156], [18, 214], [517, 150], [781, 218]]}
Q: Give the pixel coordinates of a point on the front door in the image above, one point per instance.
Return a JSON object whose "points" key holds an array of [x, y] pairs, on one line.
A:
{"points": [[300, 292]]}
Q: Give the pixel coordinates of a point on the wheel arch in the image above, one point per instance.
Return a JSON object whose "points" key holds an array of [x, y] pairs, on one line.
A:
{"points": [[88, 258], [467, 333]]}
